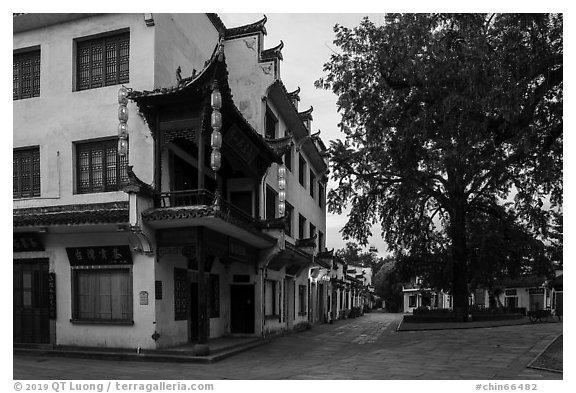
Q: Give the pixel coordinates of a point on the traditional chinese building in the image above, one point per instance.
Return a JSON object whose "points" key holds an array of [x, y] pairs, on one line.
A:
{"points": [[167, 189]]}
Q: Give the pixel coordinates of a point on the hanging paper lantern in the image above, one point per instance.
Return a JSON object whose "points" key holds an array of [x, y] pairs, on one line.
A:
{"points": [[216, 99], [215, 160], [122, 147], [216, 140], [123, 95]]}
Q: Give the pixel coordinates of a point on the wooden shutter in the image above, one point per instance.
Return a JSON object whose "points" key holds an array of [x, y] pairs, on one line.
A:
{"points": [[180, 294], [26, 173], [26, 75]]}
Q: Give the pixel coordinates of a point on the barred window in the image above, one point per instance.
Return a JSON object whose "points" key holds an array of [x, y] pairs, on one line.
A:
{"points": [[99, 167], [271, 197], [271, 124], [301, 170], [290, 215], [103, 61], [302, 299], [26, 76], [26, 172], [312, 179]]}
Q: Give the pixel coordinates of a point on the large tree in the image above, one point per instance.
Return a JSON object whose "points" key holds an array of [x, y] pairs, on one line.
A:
{"points": [[445, 117]]}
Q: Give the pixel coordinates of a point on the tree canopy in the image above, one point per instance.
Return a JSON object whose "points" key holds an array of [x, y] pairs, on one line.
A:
{"points": [[353, 255], [451, 123]]}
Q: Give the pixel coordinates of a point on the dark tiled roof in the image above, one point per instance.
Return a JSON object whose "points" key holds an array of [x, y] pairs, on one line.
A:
{"points": [[160, 214], [240, 31], [523, 281], [135, 185], [307, 242], [217, 22], [276, 223], [202, 211], [215, 69], [326, 254], [273, 53], [281, 145], [557, 282], [195, 79], [306, 115], [98, 213], [325, 263], [294, 95], [316, 138]]}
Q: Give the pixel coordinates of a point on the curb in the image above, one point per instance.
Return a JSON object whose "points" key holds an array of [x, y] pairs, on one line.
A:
{"points": [[530, 364], [147, 356]]}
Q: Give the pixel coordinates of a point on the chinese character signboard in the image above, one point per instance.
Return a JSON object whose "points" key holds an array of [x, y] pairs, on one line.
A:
{"points": [[52, 295], [26, 242], [237, 251], [241, 145], [99, 255]]}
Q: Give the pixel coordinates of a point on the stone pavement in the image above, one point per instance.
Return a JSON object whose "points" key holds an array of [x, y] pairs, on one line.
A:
{"points": [[368, 347]]}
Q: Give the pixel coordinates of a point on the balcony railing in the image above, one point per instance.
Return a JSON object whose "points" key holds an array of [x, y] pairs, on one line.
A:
{"points": [[188, 198]]}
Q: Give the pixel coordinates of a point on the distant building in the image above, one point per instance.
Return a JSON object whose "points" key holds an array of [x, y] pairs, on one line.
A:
{"points": [[416, 295]]}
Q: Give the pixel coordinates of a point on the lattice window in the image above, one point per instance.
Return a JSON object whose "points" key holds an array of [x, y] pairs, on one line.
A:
{"points": [[312, 179], [99, 167], [103, 61], [26, 172], [301, 170], [181, 291], [26, 76], [290, 215]]}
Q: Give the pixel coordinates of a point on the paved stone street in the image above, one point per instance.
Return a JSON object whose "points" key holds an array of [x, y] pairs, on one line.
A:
{"points": [[363, 348]]}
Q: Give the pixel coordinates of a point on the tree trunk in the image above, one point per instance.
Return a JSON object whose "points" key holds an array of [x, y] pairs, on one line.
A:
{"points": [[459, 261]]}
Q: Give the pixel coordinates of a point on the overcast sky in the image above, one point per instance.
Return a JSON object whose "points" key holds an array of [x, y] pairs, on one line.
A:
{"points": [[307, 46]]}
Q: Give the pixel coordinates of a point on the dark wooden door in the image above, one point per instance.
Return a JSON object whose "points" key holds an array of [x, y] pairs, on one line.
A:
{"points": [[31, 301], [559, 304], [321, 317], [242, 308], [242, 200], [193, 321]]}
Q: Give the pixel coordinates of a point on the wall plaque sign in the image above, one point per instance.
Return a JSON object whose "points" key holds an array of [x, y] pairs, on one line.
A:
{"points": [[23, 242], [177, 237], [158, 289], [52, 295], [237, 251], [241, 144], [143, 298], [99, 255]]}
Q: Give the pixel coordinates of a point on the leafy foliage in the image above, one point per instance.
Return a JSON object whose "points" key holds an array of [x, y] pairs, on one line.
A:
{"points": [[352, 254], [449, 119]]}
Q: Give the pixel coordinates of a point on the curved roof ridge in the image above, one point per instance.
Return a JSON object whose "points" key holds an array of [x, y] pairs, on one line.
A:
{"points": [[306, 115], [269, 54], [182, 83], [295, 94], [256, 27]]}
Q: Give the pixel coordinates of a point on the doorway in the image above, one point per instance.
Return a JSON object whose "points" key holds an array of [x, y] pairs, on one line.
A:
{"points": [[290, 302], [193, 320], [321, 313], [242, 309], [31, 301]]}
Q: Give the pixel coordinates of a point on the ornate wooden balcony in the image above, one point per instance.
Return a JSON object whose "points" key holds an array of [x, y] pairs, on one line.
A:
{"points": [[207, 200]]}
